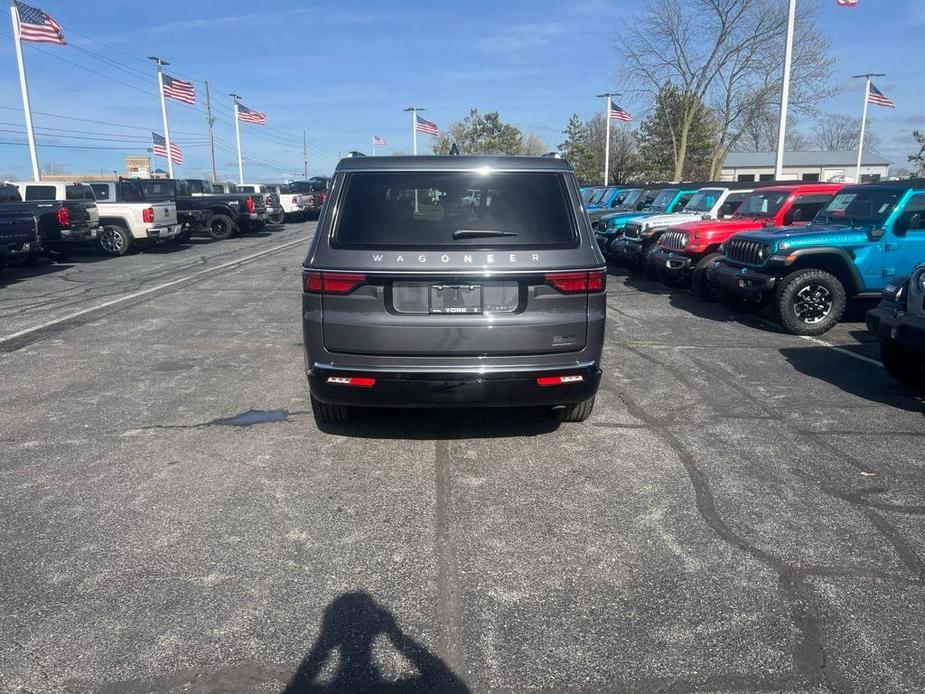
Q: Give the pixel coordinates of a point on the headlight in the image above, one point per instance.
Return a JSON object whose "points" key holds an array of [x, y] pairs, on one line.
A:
{"points": [[762, 253], [783, 246], [685, 239]]}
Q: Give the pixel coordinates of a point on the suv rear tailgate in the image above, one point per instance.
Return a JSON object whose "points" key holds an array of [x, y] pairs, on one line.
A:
{"points": [[165, 214]]}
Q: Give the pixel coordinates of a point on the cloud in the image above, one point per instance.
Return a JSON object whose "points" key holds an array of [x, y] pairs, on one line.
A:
{"points": [[521, 38]]}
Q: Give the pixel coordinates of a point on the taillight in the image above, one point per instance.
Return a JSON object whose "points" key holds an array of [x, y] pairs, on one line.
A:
{"points": [[332, 282], [578, 282], [295, 200], [147, 215], [64, 217], [545, 381], [269, 201], [355, 381], [251, 206], [322, 197]]}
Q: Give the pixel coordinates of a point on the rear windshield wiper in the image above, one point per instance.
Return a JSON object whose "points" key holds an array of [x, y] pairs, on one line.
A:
{"points": [[480, 233]]}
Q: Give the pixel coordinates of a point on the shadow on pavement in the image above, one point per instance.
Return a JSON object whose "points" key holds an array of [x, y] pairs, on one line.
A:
{"points": [[448, 423], [351, 625], [852, 376]]}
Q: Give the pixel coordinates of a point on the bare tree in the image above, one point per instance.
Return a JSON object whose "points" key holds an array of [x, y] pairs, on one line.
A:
{"points": [[727, 54], [761, 136], [533, 146], [836, 132]]}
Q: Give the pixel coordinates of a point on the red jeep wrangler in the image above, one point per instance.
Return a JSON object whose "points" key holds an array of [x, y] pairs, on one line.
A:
{"points": [[686, 250]]}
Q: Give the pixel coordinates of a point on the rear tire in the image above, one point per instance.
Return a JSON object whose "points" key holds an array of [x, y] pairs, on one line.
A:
{"points": [[325, 413], [57, 255], [278, 218], [699, 280], [902, 365], [578, 412], [115, 240], [221, 227], [809, 302]]}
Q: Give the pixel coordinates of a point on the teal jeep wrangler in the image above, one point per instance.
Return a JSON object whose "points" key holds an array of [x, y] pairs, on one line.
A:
{"points": [[867, 235]]}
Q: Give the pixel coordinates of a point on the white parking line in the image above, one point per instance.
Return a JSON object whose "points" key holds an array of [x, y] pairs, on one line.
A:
{"points": [[149, 290], [842, 350]]}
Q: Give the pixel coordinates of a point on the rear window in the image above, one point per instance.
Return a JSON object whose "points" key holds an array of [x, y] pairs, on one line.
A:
{"points": [[9, 193], [41, 193], [100, 190], [454, 210], [154, 190], [77, 191]]}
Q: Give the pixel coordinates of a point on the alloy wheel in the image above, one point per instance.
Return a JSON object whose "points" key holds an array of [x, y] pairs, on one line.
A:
{"points": [[812, 303], [112, 241]]}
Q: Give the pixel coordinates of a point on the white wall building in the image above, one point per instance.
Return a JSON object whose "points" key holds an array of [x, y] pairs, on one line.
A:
{"points": [[804, 166]]}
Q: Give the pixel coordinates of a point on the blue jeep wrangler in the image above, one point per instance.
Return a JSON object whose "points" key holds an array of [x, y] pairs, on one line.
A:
{"points": [[866, 236], [899, 322]]}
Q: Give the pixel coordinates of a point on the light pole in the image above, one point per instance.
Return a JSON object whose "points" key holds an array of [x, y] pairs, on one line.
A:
{"points": [[160, 89], [866, 76], [608, 96], [785, 93]]}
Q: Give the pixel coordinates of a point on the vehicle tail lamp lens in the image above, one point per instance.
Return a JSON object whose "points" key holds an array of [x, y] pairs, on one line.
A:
{"points": [[355, 381], [546, 381], [332, 283], [322, 197], [147, 215], [251, 206], [64, 217], [295, 200], [269, 201], [577, 282]]}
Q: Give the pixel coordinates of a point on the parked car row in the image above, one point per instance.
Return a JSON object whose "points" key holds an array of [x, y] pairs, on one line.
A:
{"points": [[118, 216], [804, 250]]}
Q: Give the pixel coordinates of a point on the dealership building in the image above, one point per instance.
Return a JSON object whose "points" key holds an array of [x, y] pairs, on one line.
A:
{"points": [[804, 166]]}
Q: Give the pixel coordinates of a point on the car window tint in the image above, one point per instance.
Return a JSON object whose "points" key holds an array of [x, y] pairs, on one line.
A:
{"points": [[427, 209], [41, 193], [100, 190]]}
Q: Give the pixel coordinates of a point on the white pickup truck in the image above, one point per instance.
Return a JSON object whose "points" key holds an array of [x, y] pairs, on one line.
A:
{"points": [[133, 215], [712, 202], [295, 206]]}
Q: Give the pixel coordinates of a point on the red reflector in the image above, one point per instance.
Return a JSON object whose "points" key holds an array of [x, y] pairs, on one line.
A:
{"points": [[147, 215], [64, 217], [295, 200], [558, 380], [356, 381], [333, 283]]}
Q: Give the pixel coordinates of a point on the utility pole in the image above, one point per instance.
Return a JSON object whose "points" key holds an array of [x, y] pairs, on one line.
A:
{"points": [[160, 90], [305, 153], [23, 85], [785, 93], [237, 133], [414, 127], [867, 76], [608, 96], [211, 121]]}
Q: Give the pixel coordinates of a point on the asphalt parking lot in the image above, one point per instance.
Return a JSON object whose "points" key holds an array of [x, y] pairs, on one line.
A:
{"points": [[742, 513]]}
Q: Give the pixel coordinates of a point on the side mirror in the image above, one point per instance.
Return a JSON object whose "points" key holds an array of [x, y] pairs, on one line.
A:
{"points": [[707, 218], [877, 232]]}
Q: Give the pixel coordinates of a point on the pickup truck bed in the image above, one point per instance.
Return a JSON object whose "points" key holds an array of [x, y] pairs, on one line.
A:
{"points": [[18, 236]]}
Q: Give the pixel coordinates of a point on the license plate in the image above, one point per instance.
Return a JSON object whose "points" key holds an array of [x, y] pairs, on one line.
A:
{"points": [[455, 298]]}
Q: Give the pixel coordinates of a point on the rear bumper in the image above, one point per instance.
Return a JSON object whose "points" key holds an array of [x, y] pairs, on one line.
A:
{"points": [[742, 281], [905, 329], [167, 232], [495, 388]]}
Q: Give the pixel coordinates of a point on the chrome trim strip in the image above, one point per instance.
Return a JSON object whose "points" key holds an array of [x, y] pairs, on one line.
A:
{"points": [[424, 369]]}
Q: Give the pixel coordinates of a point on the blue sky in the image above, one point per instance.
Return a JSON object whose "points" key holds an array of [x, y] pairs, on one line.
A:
{"points": [[344, 71]]}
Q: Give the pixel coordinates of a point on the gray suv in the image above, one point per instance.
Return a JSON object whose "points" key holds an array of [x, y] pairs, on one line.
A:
{"points": [[453, 282]]}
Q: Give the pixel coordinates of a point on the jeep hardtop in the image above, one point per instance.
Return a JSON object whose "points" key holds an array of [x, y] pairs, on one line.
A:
{"points": [[415, 297]]}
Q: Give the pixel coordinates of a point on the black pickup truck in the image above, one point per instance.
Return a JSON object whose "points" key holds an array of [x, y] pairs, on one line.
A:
{"points": [[62, 224], [19, 237], [231, 212]]}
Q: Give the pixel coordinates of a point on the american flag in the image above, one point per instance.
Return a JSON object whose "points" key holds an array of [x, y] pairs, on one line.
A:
{"points": [[875, 96], [425, 126], [246, 115], [617, 113], [378, 141], [846, 3], [178, 89], [160, 148], [36, 26]]}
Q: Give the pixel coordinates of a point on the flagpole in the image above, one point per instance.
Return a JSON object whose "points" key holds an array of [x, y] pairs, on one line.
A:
{"points": [[608, 96], [414, 127], [160, 90], [23, 85], [305, 153], [785, 93], [867, 76], [237, 133], [211, 138], [374, 146]]}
